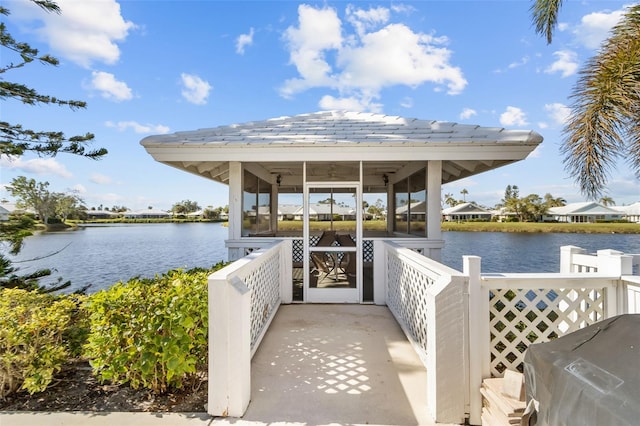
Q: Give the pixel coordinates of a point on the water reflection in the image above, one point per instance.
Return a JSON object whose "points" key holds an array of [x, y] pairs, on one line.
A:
{"points": [[102, 255]]}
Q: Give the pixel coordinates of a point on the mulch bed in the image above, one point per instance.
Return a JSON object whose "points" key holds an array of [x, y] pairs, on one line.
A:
{"points": [[76, 389]]}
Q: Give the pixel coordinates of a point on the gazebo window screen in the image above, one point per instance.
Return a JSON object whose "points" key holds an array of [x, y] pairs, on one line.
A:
{"points": [[411, 204], [256, 205]]}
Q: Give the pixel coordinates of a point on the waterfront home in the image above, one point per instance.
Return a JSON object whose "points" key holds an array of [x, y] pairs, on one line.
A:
{"points": [[335, 157], [147, 214], [415, 212], [102, 214], [12, 208], [466, 212], [630, 212], [587, 212], [4, 214]]}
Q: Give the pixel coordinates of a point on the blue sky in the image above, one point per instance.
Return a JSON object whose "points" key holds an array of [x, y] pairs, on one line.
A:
{"points": [[150, 67]]}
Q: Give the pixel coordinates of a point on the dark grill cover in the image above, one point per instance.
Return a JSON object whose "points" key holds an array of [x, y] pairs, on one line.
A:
{"points": [[588, 377]]}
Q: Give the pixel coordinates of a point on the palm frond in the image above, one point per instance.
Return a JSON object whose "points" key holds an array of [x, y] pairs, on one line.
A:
{"points": [[604, 111], [545, 17]]}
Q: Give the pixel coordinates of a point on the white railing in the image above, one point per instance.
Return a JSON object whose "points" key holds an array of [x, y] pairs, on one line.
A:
{"points": [[632, 284], [246, 245], [428, 301], [509, 312], [243, 299]]}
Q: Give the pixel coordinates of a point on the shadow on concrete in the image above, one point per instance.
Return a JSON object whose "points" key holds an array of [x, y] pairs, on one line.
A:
{"points": [[344, 364]]}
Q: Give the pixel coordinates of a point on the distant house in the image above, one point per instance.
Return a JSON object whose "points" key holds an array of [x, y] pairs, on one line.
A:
{"points": [[416, 210], [465, 212], [503, 215], [12, 208], [288, 211], [101, 214], [147, 214], [4, 214], [630, 212], [587, 212], [196, 214], [321, 211]]}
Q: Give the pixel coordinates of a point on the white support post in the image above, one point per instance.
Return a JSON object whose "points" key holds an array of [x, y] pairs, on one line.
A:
{"points": [[566, 258], [274, 205], [391, 207], [379, 273], [446, 378], [615, 263], [235, 208], [286, 271], [229, 384], [479, 350], [434, 209]]}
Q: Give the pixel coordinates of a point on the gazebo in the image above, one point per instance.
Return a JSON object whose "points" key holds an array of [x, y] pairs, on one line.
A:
{"points": [[338, 160]]}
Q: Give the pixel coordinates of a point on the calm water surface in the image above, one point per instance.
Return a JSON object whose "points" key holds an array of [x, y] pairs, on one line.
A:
{"points": [[103, 255]]}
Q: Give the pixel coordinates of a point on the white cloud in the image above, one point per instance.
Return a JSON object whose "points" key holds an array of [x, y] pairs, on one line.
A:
{"points": [[109, 87], [195, 90], [513, 116], [100, 179], [244, 40], [363, 20], [38, 166], [79, 189], [406, 102], [318, 30], [523, 61], [467, 113], [558, 112], [85, 31], [138, 128], [566, 63], [594, 28], [378, 55]]}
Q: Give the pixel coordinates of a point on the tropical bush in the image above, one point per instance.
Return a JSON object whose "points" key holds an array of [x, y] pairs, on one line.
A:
{"points": [[151, 332], [38, 333]]}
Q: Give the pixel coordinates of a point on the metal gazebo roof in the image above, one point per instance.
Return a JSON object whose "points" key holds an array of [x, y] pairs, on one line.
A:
{"points": [[386, 142]]}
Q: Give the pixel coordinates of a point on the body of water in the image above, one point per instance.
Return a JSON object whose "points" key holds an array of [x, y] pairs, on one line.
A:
{"points": [[103, 255]]}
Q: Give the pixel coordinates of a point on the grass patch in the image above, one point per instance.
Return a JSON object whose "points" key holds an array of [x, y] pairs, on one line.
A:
{"points": [[535, 227]]}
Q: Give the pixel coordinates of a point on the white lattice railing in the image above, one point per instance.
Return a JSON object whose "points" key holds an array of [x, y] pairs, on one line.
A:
{"points": [[428, 301], [526, 309], [509, 312], [243, 299]]}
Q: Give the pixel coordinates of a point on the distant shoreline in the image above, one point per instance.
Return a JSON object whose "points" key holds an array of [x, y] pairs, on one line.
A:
{"points": [[543, 227], [515, 227]]}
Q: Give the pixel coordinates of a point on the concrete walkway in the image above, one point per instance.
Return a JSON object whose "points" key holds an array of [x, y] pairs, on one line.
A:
{"points": [[317, 365]]}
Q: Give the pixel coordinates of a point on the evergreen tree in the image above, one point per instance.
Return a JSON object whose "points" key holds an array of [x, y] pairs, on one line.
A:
{"points": [[15, 140]]}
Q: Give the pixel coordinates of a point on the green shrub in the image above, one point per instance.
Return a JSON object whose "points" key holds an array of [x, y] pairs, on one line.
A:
{"points": [[151, 332], [38, 333]]}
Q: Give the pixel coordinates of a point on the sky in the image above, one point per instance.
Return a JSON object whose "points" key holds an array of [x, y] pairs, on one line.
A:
{"points": [[148, 67]]}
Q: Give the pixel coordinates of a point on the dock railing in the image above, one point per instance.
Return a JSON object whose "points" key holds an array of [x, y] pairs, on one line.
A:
{"points": [[428, 299], [510, 311], [243, 299]]}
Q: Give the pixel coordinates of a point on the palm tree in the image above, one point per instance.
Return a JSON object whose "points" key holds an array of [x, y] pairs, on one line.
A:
{"points": [[464, 193], [449, 200], [607, 201], [603, 126], [551, 201]]}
